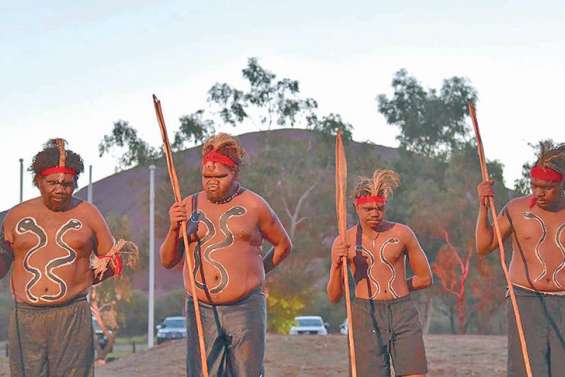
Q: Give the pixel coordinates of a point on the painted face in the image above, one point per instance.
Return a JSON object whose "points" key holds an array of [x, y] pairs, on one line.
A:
{"points": [[547, 193], [217, 180], [370, 214], [56, 190]]}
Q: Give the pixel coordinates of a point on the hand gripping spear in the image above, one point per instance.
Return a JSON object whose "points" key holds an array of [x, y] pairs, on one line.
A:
{"points": [[178, 198], [341, 210], [516, 310]]}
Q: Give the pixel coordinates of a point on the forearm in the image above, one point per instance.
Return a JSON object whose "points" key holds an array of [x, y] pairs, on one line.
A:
{"points": [[419, 282], [483, 232], [169, 252], [335, 284], [276, 255]]}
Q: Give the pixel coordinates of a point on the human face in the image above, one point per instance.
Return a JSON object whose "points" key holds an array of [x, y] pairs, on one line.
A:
{"points": [[547, 194], [370, 215], [56, 190], [218, 180]]}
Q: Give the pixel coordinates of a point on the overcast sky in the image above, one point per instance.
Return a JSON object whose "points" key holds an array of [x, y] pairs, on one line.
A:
{"points": [[70, 69]]}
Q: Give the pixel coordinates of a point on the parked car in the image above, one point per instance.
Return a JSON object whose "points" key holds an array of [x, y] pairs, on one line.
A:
{"points": [[343, 327], [313, 325], [171, 328]]}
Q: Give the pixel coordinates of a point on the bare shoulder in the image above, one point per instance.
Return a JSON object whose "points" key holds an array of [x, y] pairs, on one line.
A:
{"points": [[403, 231], [26, 208], [517, 205], [350, 235], [255, 201]]}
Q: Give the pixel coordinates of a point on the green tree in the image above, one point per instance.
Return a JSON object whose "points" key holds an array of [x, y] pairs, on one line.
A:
{"points": [[431, 122]]}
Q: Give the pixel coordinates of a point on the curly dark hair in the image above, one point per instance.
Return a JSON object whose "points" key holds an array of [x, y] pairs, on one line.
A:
{"points": [[227, 145], [50, 156]]}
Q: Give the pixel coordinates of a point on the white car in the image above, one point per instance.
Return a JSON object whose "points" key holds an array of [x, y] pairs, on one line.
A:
{"points": [[313, 325], [171, 328]]}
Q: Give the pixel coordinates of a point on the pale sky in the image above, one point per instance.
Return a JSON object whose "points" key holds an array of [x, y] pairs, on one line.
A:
{"points": [[70, 69]]}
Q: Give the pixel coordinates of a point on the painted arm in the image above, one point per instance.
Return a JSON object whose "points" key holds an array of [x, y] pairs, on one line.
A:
{"points": [[418, 263], [103, 240], [485, 238], [273, 231], [172, 249]]}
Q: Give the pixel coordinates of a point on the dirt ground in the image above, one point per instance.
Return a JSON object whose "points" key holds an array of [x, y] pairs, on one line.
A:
{"points": [[322, 356]]}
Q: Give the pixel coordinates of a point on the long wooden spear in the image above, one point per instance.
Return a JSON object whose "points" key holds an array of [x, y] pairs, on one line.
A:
{"points": [[485, 174], [178, 199], [341, 210]]}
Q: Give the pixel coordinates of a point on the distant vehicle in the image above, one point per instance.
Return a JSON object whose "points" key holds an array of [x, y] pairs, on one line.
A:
{"points": [[171, 328], [313, 325], [343, 327], [101, 338]]}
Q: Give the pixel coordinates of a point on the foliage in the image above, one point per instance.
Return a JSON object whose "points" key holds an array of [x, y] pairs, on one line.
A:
{"points": [[138, 151], [282, 309], [430, 122], [193, 128], [522, 184]]}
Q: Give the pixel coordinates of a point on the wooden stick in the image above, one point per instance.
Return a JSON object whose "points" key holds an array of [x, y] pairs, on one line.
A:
{"points": [[341, 209], [516, 310], [178, 199]]}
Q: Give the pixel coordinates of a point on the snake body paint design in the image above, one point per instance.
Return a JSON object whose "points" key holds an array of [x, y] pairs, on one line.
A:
{"points": [[25, 225], [72, 224], [210, 233], [531, 216], [370, 266], [561, 247], [225, 242], [390, 241]]}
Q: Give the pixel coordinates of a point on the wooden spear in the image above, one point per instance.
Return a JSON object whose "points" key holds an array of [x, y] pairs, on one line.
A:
{"points": [[485, 174], [341, 210], [178, 199]]}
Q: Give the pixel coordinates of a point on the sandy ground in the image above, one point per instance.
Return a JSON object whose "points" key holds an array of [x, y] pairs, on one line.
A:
{"points": [[322, 356]]}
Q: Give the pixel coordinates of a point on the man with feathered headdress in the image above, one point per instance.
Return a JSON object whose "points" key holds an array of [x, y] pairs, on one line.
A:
{"points": [[385, 320], [227, 226], [537, 226], [49, 241]]}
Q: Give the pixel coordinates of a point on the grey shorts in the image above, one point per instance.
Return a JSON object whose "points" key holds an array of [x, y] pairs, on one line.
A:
{"points": [[543, 320], [52, 341], [234, 335], [385, 330]]}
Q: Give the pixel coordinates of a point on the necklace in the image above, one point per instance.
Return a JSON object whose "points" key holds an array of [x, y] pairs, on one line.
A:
{"points": [[229, 198]]}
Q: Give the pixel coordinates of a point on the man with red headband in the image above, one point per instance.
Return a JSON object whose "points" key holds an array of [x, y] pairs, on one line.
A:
{"points": [[227, 226], [385, 320], [537, 226], [49, 241]]}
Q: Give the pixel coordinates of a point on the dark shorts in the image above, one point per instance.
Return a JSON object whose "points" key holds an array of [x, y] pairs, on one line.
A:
{"points": [[52, 341], [543, 320], [385, 330], [234, 335]]}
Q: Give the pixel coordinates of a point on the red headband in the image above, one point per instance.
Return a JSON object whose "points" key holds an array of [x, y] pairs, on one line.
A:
{"points": [[57, 169], [379, 199], [215, 156], [546, 174]]}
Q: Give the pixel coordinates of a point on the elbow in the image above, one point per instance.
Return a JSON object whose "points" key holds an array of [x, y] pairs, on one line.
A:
{"points": [[427, 281], [166, 260], [333, 297]]}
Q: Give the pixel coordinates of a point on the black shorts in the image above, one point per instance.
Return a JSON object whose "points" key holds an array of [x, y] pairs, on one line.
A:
{"points": [[52, 340], [234, 335], [385, 330], [543, 321]]}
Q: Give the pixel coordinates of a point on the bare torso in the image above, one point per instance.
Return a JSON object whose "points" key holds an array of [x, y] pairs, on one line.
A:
{"points": [[538, 243], [379, 268], [51, 252], [231, 265]]}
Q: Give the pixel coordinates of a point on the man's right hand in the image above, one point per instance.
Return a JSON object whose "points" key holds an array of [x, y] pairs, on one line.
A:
{"points": [[340, 249], [177, 214], [485, 190]]}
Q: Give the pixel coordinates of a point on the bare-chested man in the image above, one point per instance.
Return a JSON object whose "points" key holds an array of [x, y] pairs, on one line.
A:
{"points": [[385, 320], [227, 225], [537, 226], [50, 240]]}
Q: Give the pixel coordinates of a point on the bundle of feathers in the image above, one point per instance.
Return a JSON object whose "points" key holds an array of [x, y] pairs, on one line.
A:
{"points": [[382, 183]]}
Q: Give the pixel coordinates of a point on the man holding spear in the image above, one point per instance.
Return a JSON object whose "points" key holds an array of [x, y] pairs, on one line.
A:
{"points": [[227, 225], [537, 226], [384, 318]]}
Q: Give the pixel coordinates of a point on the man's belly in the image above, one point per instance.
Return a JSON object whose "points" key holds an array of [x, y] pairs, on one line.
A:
{"points": [[226, 280], [546, 275]]}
